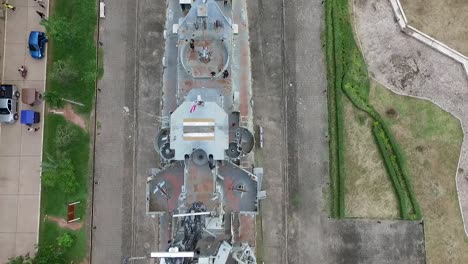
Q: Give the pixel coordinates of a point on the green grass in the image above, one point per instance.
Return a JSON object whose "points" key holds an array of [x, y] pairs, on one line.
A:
{"points": [[80, 16], [53, 201], [80, 50], [100, 70], [431, 140], [347, 75]]}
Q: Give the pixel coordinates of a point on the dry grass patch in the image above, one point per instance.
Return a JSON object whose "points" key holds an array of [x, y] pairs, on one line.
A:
{"points": [[444, 20], [369, 192], [430, 139]]}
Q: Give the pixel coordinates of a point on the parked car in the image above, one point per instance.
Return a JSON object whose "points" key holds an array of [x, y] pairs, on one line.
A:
{"points": [[8, 103], [37, 41]]}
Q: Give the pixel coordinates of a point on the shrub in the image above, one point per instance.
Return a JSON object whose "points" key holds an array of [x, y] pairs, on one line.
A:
{"points": [[66, 240], [54, 99]]}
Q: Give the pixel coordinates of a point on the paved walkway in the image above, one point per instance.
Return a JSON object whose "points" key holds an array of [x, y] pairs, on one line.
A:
{"points": [[20, 150]]}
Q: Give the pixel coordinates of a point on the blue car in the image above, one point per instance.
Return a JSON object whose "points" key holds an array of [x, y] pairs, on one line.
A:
{"points": [[37, 41]]}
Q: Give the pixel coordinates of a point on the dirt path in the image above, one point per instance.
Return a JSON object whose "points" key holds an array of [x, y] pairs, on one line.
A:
{"points": [[63, 223], [70, 115]]}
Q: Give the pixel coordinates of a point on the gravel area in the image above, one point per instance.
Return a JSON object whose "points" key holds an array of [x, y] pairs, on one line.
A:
{"points": [[409, 67]]}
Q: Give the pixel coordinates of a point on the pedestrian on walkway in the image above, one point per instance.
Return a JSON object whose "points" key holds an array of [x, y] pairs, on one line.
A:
{"points": [[192, 44], [225, 74], [42, 15], [23, 71], [9, 6], [33, 129]]}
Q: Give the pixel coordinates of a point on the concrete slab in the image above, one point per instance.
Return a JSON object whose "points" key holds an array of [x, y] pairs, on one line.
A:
{"points": [[7, 246], [29, 176], [28, 208], [10, 139], [24, 243], [36, 69], [31, 141], [34, 20], [9, 175], [16, 26], [15, 49], [21, 3], [39, 85], [13, 63], [8, 204]]}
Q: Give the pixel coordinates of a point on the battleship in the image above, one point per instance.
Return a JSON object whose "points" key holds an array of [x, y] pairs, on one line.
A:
{"points": [[206, 189]]}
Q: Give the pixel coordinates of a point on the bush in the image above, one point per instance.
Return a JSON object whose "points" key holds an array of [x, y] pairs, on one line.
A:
{"points": [[49, 254], [66, 240], [54, 99]]}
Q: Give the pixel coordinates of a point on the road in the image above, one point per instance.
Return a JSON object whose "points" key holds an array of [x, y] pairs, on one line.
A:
{"points": [[291, 104], [132, 37]]}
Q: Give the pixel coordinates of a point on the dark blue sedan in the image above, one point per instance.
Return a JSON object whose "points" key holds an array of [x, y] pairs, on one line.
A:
{"points": [[37, 41]]}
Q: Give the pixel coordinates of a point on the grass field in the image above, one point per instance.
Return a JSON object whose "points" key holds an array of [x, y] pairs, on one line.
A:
{"points": [[79, 50], [348, 78], [431, 139], [444, 20], [369, 192], [53, 201]]}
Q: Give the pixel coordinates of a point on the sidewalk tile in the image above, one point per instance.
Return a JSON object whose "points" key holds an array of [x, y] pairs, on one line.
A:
{"points": [[25, 242], [10, 139], [34, 20], [7, 246], [11, 66], [36, 69], [31, 141], [16, 26], [29, 172], [15, 49], [21, 3], [39, 85], [8, 207], [28, 208], [9, 175]]}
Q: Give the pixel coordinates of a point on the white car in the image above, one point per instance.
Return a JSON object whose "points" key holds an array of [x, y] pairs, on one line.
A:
{"points": [[9, 96]]}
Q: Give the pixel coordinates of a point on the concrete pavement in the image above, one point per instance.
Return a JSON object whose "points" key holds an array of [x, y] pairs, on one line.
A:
{"points": [[20, 150]]}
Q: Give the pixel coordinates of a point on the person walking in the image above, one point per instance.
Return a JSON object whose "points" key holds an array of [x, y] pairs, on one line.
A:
{"points": [[33, 129], [42, 15], [9, 6], [40, 3], [23, 71]]}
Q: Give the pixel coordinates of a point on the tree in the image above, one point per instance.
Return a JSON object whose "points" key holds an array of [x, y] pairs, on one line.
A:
{"points": [[53, 99], [59, 173], [63, 72]]}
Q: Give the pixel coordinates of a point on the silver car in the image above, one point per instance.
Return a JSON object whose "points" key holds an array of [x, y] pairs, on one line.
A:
{"points": [[9, 96]]}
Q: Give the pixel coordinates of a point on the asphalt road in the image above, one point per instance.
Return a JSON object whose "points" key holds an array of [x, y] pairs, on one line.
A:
{"points": [[291, 104], [127, 108], [114, 146]]}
